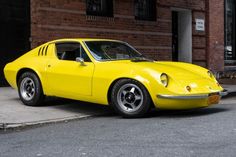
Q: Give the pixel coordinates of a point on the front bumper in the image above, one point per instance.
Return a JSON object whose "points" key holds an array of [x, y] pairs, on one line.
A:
{"points": [[189, 97], [185, 101]]}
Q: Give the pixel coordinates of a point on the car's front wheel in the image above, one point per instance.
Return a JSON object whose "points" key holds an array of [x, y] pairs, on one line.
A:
{"points": [[130, 98], [30, 89]]}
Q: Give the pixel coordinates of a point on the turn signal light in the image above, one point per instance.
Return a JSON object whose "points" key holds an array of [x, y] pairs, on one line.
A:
{"points": [[188, 88]]}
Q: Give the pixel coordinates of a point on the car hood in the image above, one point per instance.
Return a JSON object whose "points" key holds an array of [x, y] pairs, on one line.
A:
{"points": [[177, 70], [180, 75], [183, 74]]}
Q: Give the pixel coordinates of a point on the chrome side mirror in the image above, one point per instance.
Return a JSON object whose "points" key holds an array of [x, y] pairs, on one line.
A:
{"points": [[81, 60]]}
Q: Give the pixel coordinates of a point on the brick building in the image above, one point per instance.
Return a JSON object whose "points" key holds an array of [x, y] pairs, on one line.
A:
{"points": [[196, 31]]}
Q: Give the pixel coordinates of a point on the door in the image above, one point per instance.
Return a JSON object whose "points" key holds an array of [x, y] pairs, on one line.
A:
{"points": [[182, 35], [65, 76], [14, 32], [230, 54]]}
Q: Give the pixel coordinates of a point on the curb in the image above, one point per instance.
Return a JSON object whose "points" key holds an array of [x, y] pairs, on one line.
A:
{"points": [[12, 126]]}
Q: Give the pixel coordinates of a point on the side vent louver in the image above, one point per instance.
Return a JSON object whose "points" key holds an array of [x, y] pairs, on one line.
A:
{"points": [[46, 51], [43, 51], [39, 51]]}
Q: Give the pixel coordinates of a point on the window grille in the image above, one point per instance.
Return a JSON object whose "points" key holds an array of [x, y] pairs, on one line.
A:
{"points": [[145, 10], [100, 7]]}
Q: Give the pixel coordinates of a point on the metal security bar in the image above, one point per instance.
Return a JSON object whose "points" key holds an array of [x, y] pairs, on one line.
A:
{"points": [[145, 10], [99, 8]]}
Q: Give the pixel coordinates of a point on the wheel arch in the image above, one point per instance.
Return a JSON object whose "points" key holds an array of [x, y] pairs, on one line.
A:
{"points": [[23, 70]]}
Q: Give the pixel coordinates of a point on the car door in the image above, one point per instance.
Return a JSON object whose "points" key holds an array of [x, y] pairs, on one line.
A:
{"points": [[67, 77]]}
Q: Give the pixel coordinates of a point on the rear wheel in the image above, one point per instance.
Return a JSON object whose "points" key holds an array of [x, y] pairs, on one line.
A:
{"points": [[30, 89], [130, 98]]}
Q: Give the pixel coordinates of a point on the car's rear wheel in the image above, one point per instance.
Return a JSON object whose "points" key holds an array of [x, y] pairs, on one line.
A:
{"points": [[130, 98], [30, 89]]}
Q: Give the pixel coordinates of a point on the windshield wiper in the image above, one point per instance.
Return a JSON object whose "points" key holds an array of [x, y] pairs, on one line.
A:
{"points": [[141, 59]]}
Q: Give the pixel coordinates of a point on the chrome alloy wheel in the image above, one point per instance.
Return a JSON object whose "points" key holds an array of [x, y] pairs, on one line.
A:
{"points": [[27, 89], [130, 97]]}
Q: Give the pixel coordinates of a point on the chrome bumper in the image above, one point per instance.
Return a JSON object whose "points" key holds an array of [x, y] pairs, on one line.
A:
{"points": [[187, 97]]}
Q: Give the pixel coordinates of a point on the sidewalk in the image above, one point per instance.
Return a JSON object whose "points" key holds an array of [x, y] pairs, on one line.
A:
{"points": [[14, 114]]}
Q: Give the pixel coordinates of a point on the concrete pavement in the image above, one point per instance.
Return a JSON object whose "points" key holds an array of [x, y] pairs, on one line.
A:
{"points": [[14, 114], [207, 132]]}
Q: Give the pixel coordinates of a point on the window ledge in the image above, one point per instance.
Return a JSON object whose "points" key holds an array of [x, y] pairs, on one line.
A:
{"points": [[145, 22], [99, 18]]}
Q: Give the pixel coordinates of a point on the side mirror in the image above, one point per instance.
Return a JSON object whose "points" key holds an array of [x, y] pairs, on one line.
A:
{"points": [[81, 60]]}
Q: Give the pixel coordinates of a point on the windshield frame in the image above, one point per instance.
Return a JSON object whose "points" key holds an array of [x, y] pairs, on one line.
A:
{"points": [[117, 41]]}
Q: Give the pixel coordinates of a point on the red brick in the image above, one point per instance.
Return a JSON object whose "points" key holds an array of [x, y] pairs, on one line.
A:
{"points": [[53, 19]]}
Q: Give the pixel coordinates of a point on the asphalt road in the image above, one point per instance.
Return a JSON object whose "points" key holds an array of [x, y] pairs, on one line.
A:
{"points": [[205, 132]]}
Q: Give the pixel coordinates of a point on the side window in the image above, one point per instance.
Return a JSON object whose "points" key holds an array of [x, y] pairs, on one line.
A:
{"points": [[70, 51]]}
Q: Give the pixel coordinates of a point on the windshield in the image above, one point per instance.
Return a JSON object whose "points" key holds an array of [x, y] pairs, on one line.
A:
{"points": [[111, 50]]}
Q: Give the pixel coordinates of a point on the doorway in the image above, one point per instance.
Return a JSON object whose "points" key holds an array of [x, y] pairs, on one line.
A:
{"points": [[230, 53], [182, 35], [14, 32]]}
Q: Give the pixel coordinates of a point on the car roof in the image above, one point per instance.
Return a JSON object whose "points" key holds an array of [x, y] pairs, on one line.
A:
{"points": [[82, 39]]}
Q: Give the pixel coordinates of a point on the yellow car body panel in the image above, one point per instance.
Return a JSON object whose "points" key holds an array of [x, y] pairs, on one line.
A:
{"points": [[91, 83]]}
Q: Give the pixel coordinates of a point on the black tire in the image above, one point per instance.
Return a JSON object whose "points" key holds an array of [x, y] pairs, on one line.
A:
{"points": [[27, 83], [117, 96]]}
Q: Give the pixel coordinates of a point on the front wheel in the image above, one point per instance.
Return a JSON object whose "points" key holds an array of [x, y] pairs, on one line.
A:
{"points": [[30, 89], [130, 98]]}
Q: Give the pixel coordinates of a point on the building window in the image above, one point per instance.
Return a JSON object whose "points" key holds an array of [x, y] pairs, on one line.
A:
{"points": [[99, 7], [145, 10], [230, 54]]}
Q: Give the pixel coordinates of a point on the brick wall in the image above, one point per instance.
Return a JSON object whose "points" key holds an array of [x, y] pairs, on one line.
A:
{"points": [[215, 37], [53, 19]]}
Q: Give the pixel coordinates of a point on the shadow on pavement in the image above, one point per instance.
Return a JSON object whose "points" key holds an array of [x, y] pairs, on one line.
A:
{"points": [[74, 106], [106, 111], [186, 113]]}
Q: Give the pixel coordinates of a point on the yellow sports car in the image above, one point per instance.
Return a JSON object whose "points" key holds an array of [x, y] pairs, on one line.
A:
{"points": [[110, 72]]}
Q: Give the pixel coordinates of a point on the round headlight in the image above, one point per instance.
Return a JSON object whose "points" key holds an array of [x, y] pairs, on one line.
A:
{"points": [[164, 79]]}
